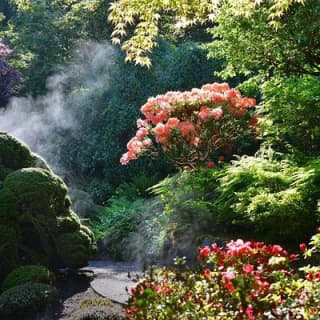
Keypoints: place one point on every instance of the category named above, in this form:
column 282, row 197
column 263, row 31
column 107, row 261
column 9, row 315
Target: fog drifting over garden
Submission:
column 41, row 121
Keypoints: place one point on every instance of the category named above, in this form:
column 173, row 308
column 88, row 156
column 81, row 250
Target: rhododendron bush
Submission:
column 244, row 280
column 194, row 127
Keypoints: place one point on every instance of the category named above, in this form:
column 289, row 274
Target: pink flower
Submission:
column 218, row 87
column 239, row 247
column 160, row 129
column 147, row 142
column 218, row 98
column 146, row 109
column 216, row 113
column 204, row 113
column 232, row 93
column 173, row 122
column 250, row 313
column 248, row 268
column 247, row 102
column 141, row 123
column 229, row 275
column 276, row 249
column 186, row 127
column 124, row 159
column 141, row 133
column 134, row 145
column 162, row 132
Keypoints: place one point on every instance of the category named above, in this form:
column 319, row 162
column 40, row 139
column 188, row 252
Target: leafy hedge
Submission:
column 23, row 274
column 26, row 299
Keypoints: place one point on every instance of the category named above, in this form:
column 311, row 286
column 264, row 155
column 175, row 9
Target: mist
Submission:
column 42, row 121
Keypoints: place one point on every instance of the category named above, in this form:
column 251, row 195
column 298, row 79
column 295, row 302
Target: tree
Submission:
column 251, row 45
column 146, row 15
column 45, row 32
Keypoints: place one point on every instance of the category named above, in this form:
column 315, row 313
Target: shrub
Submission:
column 193, row 126
column 25, row 299
column 243, row 280
column 273, row 200
column 261, row 197
column 96, row 314
column 24, row 274
column 35, row 214
column 9, row 249
column 292, row 114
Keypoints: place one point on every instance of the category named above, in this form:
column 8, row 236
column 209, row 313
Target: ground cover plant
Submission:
column 241, row 280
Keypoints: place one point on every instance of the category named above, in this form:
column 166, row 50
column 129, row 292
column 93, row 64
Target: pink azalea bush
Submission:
column 192, row 126
column 244, row 280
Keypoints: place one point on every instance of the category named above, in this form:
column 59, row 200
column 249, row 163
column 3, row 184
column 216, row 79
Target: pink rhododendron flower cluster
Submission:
column 191, row 126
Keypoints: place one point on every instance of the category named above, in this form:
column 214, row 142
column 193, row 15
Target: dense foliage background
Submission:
column 261, row 48
column 65, row 86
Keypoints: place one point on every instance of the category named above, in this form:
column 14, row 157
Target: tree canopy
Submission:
column 145, row 16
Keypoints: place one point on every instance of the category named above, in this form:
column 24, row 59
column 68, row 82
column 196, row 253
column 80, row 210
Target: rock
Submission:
column 35, row 214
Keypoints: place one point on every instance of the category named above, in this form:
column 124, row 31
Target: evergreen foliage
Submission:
column 24, row 274
column 35, row 216
column 26, row 299
column 291, row 108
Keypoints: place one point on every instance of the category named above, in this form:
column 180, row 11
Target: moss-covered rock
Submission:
column 24, row 274
column 69, row 223
column 73, row 247
column 26, row 299
column 35, row 204
column 13, row 153
column 9, row 251
column 37, row 190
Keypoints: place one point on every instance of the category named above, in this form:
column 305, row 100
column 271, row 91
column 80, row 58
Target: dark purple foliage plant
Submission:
column 10, row 78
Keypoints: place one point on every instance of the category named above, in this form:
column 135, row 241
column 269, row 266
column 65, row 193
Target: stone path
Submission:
column 111, row 279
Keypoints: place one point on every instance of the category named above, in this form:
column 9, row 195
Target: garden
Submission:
column 182, row 137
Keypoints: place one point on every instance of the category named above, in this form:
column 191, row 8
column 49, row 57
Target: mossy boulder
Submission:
column 72, row 247
column 14, row 154
column 34, row 203
column 26, row 299
column 9, row 249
